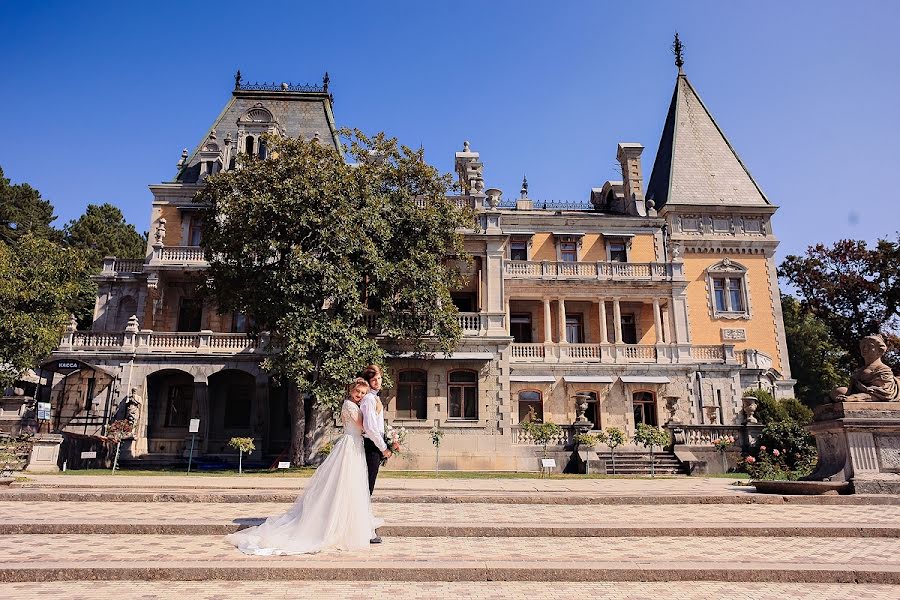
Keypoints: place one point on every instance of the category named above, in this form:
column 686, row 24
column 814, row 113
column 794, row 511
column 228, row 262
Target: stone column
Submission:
column 562, row 321
column 617, row 320
column 261, row 427
column 666, row 323
column 548, row 332
column 604, row 334
column 507, row 318
column 200, row 410
column 657, row 322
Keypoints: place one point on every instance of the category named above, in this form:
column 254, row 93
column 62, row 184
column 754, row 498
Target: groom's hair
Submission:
column 370, row 372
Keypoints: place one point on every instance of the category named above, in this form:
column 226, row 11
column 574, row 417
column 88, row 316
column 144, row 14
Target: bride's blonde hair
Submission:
column 359, row 382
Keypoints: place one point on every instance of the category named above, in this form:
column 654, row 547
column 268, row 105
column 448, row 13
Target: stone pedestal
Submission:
column 859, row 443
column 45, row 452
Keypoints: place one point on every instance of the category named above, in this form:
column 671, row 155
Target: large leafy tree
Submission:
column 102, row 231
column 312, row 245
column 815, row 358
column 853, row 289
column 40, row 283
column 23, row 211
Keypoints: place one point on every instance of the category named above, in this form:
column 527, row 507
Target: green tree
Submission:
column 102, row 231
column 650, row 437
column 23, row 211
column 40, row 284
column 816, row 360
column 853, row 289
column 306, row 242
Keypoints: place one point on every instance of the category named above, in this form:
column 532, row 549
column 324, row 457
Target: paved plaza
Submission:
column 76, row 536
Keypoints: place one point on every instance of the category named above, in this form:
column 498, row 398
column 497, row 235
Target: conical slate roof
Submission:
column 695, row 164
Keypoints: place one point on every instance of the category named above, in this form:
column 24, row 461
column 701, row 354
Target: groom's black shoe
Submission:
column 375, row 540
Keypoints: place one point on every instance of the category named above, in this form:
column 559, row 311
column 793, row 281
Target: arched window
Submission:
column 262, row 148
column 644, row 408
column 528, row 400
column 412, row 395
column 248, row 144
column 462, row 394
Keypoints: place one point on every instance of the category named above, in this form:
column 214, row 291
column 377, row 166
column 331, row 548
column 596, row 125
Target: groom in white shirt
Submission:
column 373, row 429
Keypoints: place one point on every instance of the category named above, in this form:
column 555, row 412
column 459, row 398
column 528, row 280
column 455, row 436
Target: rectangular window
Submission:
column 189, row 314
column 194, row 231
column 617, row 251
column 518, row 250
column 178, row 407
column 574, row 329
column 464, row 302
column 411, row 395
column 520, row 328
column 463, row 395
column 241, row 323
column 568, row 252
column 728, row 294
column 629, row 330
column 89, row 394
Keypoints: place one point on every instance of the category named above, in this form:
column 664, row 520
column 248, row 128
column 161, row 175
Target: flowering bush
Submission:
column 792, row 456
column 724, row 443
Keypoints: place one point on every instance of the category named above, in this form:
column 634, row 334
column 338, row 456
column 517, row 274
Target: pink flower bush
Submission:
column 762, row 448
column 776, row 452
column 750, row 460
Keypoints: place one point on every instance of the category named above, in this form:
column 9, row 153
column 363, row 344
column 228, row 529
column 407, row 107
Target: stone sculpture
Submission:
column 750, row 406
column 875, row 382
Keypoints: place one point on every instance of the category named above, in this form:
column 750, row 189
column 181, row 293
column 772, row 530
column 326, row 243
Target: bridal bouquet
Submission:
column 395, row 439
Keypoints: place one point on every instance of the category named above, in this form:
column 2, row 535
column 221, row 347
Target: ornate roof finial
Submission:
column 465, row 145
column 524, row 190
column 237, row 80
column 325, row 81
column 678, row 51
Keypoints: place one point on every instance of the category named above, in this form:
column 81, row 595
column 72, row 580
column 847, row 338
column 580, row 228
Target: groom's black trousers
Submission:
column 373, row 461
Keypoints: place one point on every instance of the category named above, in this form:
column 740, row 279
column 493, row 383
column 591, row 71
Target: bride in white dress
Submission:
column 335, row 510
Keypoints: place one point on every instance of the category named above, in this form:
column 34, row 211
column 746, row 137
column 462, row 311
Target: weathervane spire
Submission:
column 678, row 51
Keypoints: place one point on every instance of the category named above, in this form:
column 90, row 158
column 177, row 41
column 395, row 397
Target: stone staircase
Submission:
column 638, row 463
column 683, row 538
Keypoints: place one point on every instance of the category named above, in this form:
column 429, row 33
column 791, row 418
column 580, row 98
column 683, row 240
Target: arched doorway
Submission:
column 170, row 407
column 644, row 406
column 232, row 407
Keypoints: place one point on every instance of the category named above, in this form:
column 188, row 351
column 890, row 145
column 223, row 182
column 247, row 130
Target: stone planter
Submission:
column 45, row 452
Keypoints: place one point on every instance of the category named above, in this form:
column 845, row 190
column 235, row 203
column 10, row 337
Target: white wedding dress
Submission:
column 335, row 510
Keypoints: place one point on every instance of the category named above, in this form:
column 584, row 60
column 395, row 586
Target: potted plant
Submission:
column 586, row 441
column 651, row 437
column 241, row 444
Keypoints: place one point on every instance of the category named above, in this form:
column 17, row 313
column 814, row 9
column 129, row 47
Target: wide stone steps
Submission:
column 639, row 463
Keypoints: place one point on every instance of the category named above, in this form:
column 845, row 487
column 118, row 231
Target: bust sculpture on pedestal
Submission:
column 875, row 382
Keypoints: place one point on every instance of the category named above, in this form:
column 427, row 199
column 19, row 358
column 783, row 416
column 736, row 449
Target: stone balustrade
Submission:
column 625, row 353
column 471, row 323
column 520, row 437
column 527, row 269
column 113, row 265
column 708, row 435
column 179, row 254
column 151, row 342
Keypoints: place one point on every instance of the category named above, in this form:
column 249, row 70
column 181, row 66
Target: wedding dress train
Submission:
column 334, row 510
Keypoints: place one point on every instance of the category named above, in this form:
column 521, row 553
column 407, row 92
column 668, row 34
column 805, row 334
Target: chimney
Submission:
column 629, row 157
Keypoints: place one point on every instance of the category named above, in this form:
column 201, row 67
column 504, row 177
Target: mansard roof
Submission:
column 695, row 163
column 296, row 110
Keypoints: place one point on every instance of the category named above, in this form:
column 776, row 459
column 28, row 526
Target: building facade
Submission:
column 652, row 302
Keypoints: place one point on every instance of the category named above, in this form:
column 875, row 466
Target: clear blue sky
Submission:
column 100, row 98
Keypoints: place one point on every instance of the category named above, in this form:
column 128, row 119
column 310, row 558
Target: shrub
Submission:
column 797, row 411
column 586, row 440
column 784, row 451
column 768, row 409
column 542, row 433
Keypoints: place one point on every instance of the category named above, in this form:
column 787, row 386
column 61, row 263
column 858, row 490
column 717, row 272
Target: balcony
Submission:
column 187, row 256
column 635, row 354
column 121, row 266
column 473, row 324
column 600, row 271
column 150, row 342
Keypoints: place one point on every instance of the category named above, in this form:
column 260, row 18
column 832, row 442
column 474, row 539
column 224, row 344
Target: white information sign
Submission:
column 88, row 455
column 194, row 426
column 284, row 465
column 43, row 410
column 548, row 463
